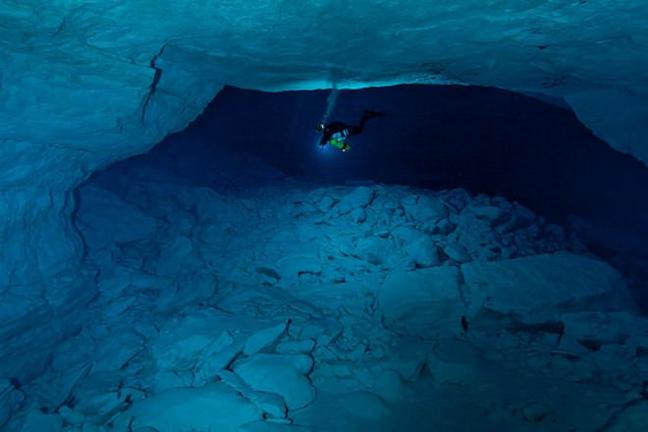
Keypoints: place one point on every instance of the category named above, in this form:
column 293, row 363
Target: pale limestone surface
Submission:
column 265, row 340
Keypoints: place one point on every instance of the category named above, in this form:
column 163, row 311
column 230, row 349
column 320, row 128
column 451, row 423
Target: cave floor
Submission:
column 292, row 307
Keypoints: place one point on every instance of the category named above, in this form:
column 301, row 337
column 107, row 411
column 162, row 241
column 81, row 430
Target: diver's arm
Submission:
column 326, row 135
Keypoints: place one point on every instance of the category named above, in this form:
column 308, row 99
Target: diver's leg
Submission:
column 356, row 130
column 368, row 114
column 372, row 113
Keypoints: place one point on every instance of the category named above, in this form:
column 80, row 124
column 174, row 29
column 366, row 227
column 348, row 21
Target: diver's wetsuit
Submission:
column 345, row 130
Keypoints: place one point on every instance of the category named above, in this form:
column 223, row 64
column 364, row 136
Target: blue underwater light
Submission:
column 321, row 148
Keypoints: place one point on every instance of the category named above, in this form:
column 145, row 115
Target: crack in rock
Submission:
column 615, row 416
column 156, row 79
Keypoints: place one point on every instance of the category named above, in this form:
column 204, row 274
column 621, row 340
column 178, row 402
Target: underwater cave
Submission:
column 250, row 227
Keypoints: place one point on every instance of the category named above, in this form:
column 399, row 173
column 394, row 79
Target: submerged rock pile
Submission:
column 288, row 308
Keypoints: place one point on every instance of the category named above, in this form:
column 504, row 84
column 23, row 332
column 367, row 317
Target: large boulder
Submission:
column 358, row 198
column 423, row 301
column 424, row 208
column 537, row 284
column 195, row 346
column 106, row 219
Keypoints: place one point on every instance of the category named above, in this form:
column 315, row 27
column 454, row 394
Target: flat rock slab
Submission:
column 359, row 197
column 37, row 422
column 264, row 338
column 284, row 375
column 101, row 208
column 291, row 267
column 182, row 341
column 424, row 208
column 540, row 282
column 423, row 300
column 214, row 407
column 364, row 404
column 634, row 418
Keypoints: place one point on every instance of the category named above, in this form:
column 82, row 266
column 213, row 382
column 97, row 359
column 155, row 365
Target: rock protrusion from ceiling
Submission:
column 618, row 116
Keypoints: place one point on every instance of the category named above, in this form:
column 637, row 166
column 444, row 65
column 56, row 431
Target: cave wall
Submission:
column 65, row 114
column 85, row 83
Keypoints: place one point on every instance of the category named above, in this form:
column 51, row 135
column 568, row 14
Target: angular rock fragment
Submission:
column 364, row 404
column 424, row 252
column 536, row 412
column 264, row 338
column 456, row 252
column 388, row 384
column 375, row 250
column 539, row 284
column 271, row 404
column 633, row 418
column 292, row 266
column 10, row 400
column 358, row 215
column 71, row 416
column 285, row 375
column 101, row 208
column 302, row 346
column 359, row 197
column 423, row 301
column 100, row 404
column 456, row 198
column 489, row 213
column 325, row 203
column 213, row 407
column 193, row 348
column 36, row 421
column 424, row 208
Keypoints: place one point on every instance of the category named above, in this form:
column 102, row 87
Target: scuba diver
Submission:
column 336, row 133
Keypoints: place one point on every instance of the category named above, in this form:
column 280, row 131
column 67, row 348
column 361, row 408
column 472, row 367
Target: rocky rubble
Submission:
column 391, row 307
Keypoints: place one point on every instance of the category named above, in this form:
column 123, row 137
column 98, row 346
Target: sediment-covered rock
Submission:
column 286, row 304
